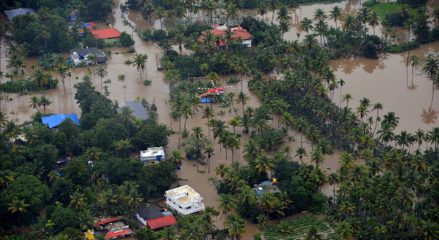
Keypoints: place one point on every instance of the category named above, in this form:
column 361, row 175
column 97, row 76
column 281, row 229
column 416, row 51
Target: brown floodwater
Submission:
column 383, row 80
column 389, row 81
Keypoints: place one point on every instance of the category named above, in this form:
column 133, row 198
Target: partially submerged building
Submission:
column 220, row 32
column 53, row 121
column 11, row 14
column 266, row 186
column 184, row 200
column 154, row 218
column 113, row 228
column 110, row 36
column 152, row 155
column 87, row 56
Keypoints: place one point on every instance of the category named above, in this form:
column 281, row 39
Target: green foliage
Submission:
column 402, row 47
column 29, row 85
column 126, row 40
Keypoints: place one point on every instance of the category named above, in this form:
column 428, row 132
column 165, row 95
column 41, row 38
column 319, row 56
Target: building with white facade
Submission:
column 152, row 155
column 184, row 200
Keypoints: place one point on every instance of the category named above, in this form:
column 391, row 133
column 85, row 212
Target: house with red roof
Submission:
column 155, row 218
column 238, row 33
column 107, row 33
column 113, row 228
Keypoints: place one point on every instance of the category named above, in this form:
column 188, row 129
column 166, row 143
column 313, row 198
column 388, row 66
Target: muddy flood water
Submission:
column 386, row 80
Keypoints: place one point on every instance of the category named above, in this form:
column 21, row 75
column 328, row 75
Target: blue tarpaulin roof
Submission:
column 205, row 100
column 17, row 12
column 55, row 120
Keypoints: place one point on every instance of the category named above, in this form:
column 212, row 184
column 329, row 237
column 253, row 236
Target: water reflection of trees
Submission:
column 348, row 65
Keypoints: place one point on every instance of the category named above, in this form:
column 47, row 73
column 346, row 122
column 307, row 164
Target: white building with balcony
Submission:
column 152, row 155
column 184, row 200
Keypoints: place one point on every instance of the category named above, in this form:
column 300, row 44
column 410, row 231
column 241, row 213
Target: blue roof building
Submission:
column 55, row 120
column 11, row 14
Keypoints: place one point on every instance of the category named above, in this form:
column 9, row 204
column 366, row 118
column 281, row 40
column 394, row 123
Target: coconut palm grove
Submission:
column 106, row 106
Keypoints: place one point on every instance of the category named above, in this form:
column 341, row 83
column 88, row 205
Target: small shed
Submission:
column 11, row 14
column 53, row 121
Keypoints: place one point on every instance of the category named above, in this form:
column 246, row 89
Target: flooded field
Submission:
column 386, row 80
column 389, row 81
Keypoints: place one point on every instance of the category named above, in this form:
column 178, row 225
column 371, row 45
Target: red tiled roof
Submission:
column 105, row 33
column 107, row 221
column 119, row 233
column 161, row 222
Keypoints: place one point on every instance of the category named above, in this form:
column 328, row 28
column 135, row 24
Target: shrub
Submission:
column 402, row 47
column 126, row 40
column 147, row 82
column 28, row 85
column 158, row 35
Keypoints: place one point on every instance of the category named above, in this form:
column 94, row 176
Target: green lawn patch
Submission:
column 386, row 9
column 298, row 227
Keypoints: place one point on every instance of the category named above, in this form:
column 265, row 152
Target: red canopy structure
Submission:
column 107, row 221
column 161, row 222
column 107, row 33
column 119, row 233
column 213, row 91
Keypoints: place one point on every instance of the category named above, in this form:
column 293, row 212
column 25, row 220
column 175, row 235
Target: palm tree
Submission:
column 176, row 157
column 333, row 179
column 431, row 66
column 414, row 62
column 227, row 203
column 17, row 206
column 234, row 122
column 263, row 163
column 273, row 5
column 43, row 101
column 242, row 98
column 209, row 153
column 34, row 103
column 102, row 73
column 319, row 15
column 139, row 61
column 235, row 225
column 221, row 170
column 123, row 145
column 306, row 25
column 186, row 111
column 335, row 14
column 301, row 152
column 419, row 137
column 208, row 114
column 6, row 177
column 313, row 234
column 346, row 98
column 317, row 156
column 433, row 137
column 344, row 231
column 77, row 200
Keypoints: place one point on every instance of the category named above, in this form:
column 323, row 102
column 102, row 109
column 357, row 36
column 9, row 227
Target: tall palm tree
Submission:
column 263, row 163
column 344, row 231
column 186, row 111
column 335, row 14
column 235, row 225
column 101, row 71
column 301, row 152
column 319, row 15
column 313, row 234
column 242, row 98
column 431, row 66
column 317, row 156
column 43, row 101
column 139, row 61
column 234, row 122
column 17, row 206
column 273, row 6
column 346, row 98
column 433, row 137
column 221, row 170
column 306, row 25
column 227, row 203
column 34, row 103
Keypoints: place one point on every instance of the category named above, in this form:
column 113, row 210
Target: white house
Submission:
column 184, row 200
column 152, row 154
